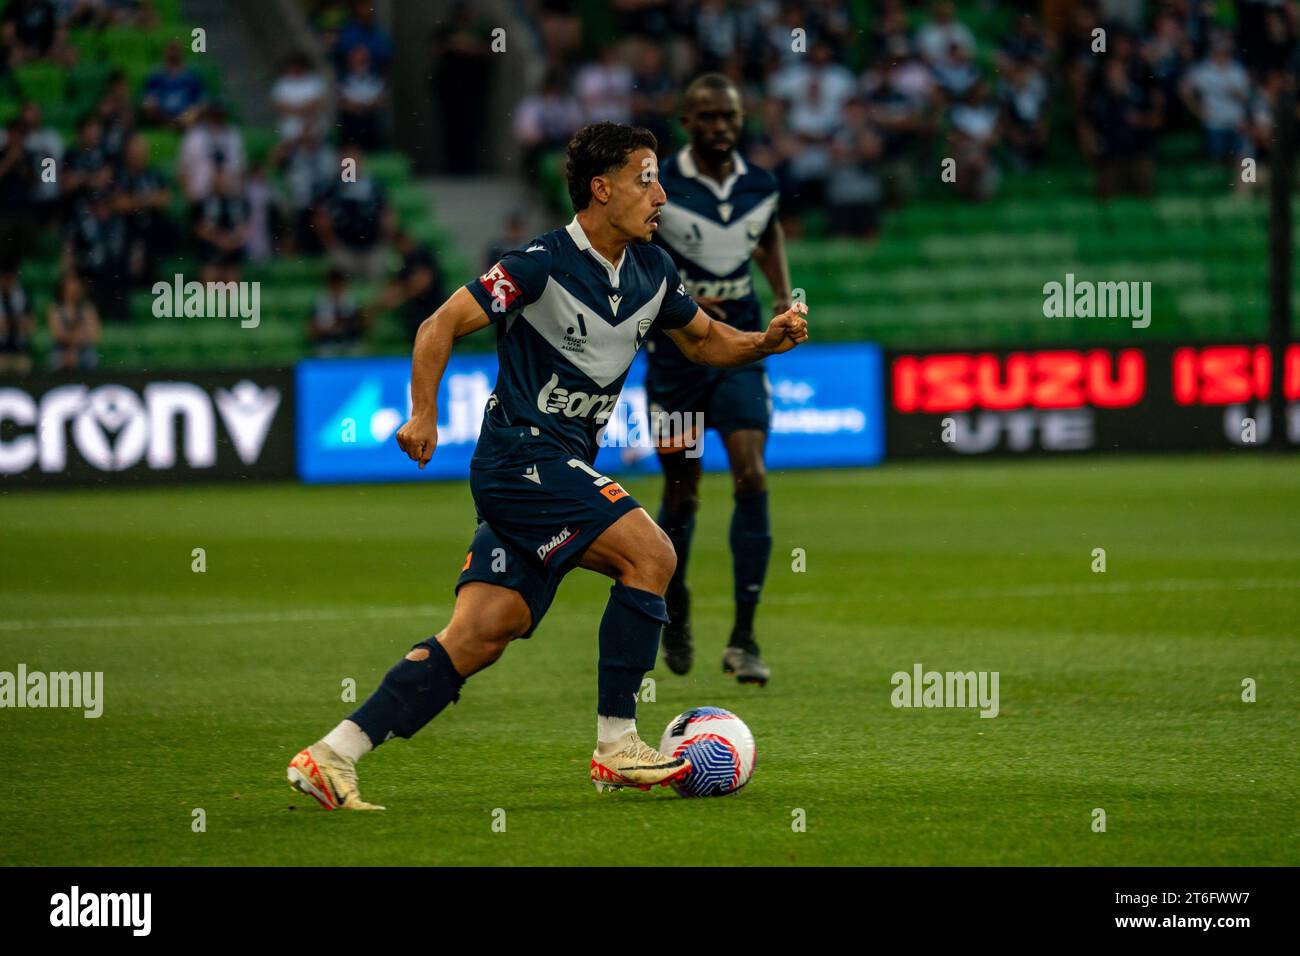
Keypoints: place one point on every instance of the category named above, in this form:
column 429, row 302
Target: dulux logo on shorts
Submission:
column 545, row 549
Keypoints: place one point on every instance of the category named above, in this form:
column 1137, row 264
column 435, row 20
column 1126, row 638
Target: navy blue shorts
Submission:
column 730, row 398
column 535, row 521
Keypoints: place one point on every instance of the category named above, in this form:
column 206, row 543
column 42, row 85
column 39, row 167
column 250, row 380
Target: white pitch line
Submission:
column 303, row 616
column 204, row 620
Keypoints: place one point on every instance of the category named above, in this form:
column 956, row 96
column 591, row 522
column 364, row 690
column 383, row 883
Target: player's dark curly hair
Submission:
column 597, row 149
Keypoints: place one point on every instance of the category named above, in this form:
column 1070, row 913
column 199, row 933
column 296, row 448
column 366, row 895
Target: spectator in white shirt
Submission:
column 1216, row 91
column 545, row 121
column 298, row 97
column 936, row 37
column 974, row 131
column 361, row 95
column 210, row 146
column 814, row 93
column 604, row 89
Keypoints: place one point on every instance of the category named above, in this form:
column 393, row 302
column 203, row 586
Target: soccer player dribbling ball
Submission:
column 571, row 309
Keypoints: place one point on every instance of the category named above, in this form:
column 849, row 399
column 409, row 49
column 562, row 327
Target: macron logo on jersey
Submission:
column 500, row 286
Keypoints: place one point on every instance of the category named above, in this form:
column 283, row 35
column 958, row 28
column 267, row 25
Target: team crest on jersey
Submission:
column 503, row 289
column 724, row 210
column 642, row 328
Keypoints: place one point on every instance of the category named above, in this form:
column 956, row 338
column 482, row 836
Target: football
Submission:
column 719, row 747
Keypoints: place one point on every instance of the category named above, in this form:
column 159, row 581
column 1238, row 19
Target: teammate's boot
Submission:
column 679, row 650
column 745, row 663
column 323, row 773
column 631, row 762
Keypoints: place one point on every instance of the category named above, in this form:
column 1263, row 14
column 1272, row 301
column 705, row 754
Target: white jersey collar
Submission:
column 579, row 237
column 686, row 163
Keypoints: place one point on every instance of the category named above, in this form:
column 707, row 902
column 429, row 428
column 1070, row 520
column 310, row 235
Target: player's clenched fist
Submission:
column 787, row 330
column 418, row 438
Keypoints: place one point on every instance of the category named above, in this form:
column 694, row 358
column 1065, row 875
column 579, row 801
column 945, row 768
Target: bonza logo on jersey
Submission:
column 503, row 289
column 554, row 399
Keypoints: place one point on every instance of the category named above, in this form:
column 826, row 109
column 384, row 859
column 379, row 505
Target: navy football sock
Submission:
column 411, row 694
column 751, row 547
column 629, row 644
column 679, row 525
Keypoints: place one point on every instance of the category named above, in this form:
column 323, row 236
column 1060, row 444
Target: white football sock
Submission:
column 349, row 741
column 610, row 730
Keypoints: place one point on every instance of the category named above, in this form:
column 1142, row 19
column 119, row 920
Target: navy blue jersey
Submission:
column 568, row 326
column 711, row 229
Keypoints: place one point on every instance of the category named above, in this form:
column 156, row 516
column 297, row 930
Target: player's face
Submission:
column 636, row 196
column 713, row 119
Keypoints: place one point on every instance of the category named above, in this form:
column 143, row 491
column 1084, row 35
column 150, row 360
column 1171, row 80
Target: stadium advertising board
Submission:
column 101, row 427
column 826, row 411
column 1158, row 397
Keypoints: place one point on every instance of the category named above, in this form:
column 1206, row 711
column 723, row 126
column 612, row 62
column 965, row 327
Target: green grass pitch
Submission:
column 1119, row 690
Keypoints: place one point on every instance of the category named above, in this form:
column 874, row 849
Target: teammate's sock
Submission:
column 349, row 740
column 751, row 547
column 629, row 643
column 610, row 730
column 745, row 617
column 411, row 694
column 679, row 525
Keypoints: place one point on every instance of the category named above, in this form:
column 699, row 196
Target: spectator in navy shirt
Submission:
column 353, row 220
column 17, row 323
column 417, row 285
column 97, row 248
column 173, row 93
column 362, row 30
column 336, row 322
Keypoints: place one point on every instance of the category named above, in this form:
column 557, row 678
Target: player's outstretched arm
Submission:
column 709, row 342
column 459, row 315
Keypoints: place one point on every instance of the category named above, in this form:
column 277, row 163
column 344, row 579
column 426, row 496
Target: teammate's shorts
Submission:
column 730, row 399
column 535, row 521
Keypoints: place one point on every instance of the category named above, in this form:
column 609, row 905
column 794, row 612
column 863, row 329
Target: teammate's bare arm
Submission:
column 770, row 256
column 459, row 315
column 718, row 344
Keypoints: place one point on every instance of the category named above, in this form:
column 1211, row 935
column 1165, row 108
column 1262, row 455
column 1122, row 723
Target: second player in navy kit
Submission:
column 721, row 212
column 571, row 310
